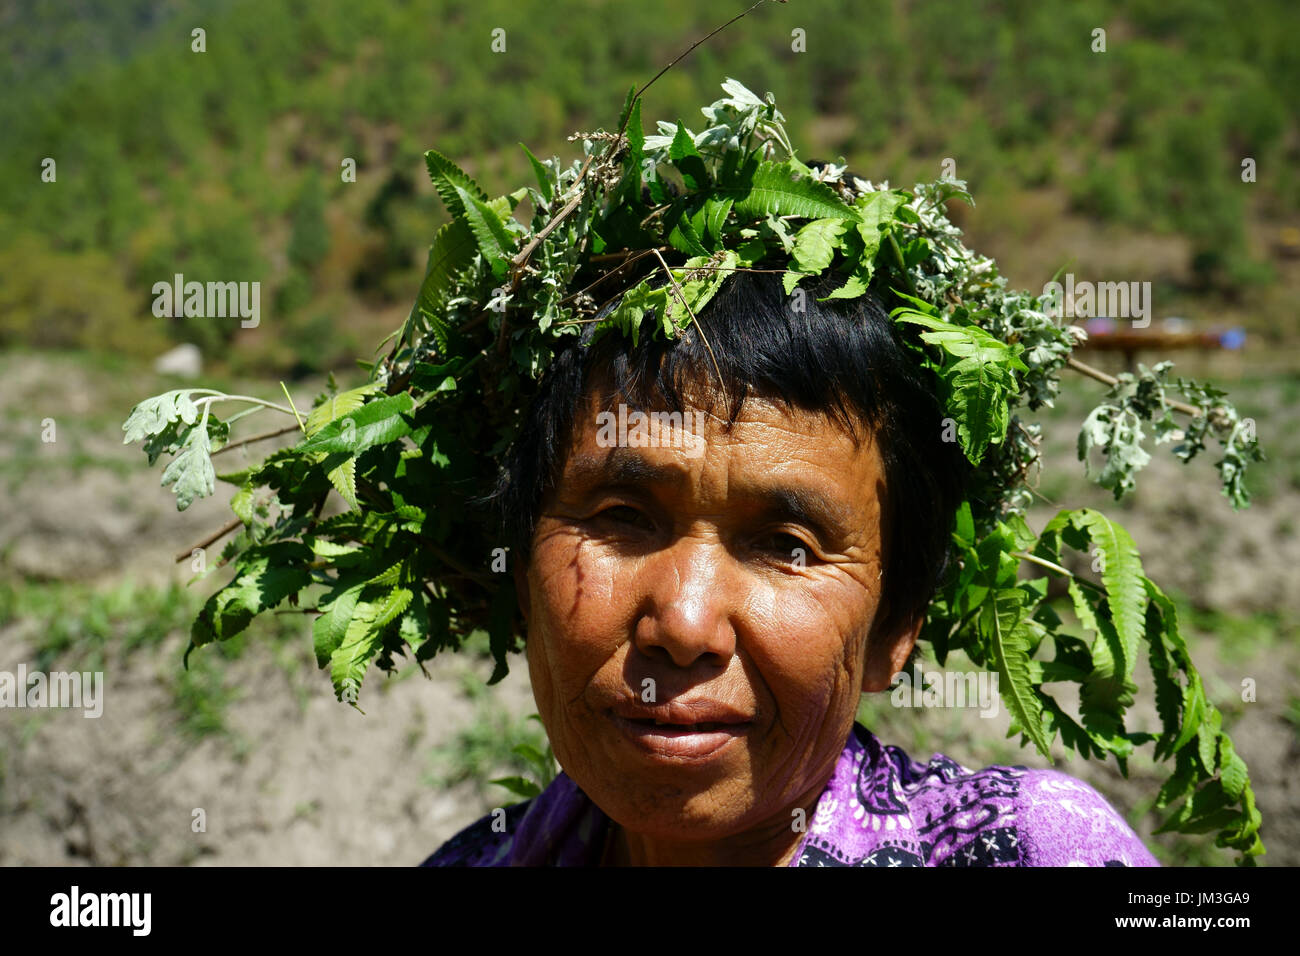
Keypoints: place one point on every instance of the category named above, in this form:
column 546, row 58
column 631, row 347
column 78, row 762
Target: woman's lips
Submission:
column 680, row 740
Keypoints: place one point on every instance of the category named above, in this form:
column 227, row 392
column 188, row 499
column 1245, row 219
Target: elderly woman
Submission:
column 704, row 609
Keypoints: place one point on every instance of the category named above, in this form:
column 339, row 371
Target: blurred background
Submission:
column 1164, row 149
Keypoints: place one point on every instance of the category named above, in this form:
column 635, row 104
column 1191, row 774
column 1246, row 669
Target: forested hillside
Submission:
column 225, row 164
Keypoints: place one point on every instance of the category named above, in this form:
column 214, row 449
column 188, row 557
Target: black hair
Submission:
column 843, row 358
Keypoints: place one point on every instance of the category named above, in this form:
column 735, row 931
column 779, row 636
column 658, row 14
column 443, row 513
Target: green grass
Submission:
column 486, row 748
column 77, row 626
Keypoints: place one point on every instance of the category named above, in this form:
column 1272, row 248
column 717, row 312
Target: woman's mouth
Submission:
column 690, row 741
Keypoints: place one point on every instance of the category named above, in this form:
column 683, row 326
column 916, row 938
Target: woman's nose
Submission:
column 689, row 614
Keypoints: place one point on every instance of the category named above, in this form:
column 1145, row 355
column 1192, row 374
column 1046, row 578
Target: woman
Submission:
column 700, row 624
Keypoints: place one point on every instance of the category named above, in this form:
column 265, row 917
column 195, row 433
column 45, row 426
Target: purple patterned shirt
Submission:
column 880, row 808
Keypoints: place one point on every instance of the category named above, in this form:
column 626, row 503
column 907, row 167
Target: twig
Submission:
column 294, row 407
column 611, row 256
column 694, row 45
column 517, row 264
column 1043, row 562
column 1105, row 379
column 255, row 438
column 686, row 305
column 209, row 540
column 902, row 264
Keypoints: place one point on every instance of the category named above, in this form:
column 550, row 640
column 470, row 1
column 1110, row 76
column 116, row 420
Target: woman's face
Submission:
column 698, row 624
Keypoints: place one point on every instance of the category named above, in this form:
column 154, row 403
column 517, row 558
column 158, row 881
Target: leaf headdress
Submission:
column 402, row 570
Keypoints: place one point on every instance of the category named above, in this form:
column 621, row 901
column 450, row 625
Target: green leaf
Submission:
column 494, row 242
column 697, row 292
column 191, row 470
column 452, row 251
column 715, row 218
column 683, row 235
column 544, row 184
column 688, row 160
column 265, row 575
column 344, row 479
column 520, row 786
column 376, row 423
column 336, row 405
column 242, row 504
column 153, row 415
column 451, row 182
column 877, row 212
column 1207, row 741
column 350, row 659
column 976, row 374
column 814, row 248
column 1002, row 621
column 1233, row 775
column 1167, row 692
column 331, row 625
column 1123, row 577
column 774, row 190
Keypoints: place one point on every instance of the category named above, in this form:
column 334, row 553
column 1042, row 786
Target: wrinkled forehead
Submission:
column 793, row 454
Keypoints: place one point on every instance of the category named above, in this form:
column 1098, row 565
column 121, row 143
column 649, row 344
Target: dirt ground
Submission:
column 300, row 779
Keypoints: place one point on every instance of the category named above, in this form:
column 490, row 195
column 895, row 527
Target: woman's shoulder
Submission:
column 1067, row 822
column 1001, row 815
column 485, row 842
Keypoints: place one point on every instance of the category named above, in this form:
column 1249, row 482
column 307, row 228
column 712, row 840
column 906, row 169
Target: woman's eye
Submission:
column 624, row 514
column 788, row 545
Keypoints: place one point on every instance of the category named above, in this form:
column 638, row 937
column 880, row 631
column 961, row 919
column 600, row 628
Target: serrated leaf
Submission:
column 688, row 160
column 1207, row 741
column 976, row 373
column 350, row 659
column 774, row 190
column 814, row 248
column 242, row 504
column 1002, row 623
column 337, row 405
column 344, row 480
column 264, row 576
column 876, row 210
column 451, row 181
column 1122, row 575
column 331, row 625
column 697, row 292
column 715, row 218
column 375, row 423
column 494, row 242
column 394, row 603
column 452, row 251
column 1233, row 774
column 683, row 237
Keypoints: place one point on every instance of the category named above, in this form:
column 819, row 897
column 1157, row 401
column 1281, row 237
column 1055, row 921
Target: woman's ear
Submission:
column 887, row 654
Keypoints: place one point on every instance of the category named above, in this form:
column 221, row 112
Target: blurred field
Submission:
column 225, row 165
column 252, row 734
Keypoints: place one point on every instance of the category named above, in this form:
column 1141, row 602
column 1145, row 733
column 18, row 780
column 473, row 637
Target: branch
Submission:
column 1102, row 377
column 1044, row 563
column 255, row 438
column 212, row 538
